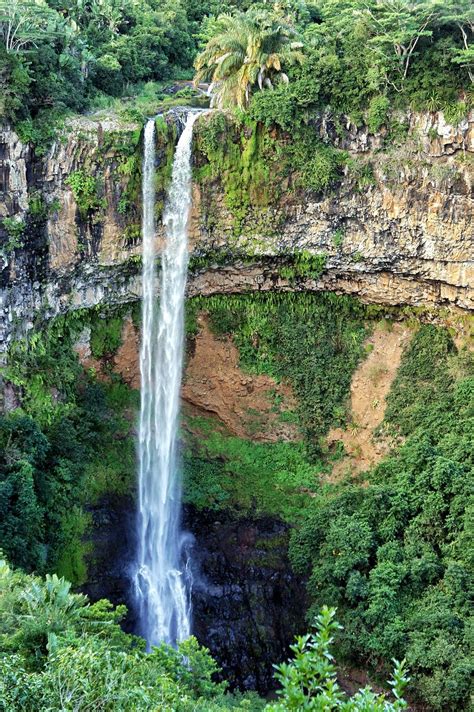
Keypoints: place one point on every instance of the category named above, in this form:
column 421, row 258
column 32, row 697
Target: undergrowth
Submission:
column 86, row 191
column 224, row 471
column 106, row 335
column 69, row 443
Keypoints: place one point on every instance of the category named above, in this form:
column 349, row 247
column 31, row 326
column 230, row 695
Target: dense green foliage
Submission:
column 375, row 54
column 69, row 443
column 224, row 471
column 66, row 53
column 59, row 652
column 394, row 555
column 248, row 49
column 106, row 335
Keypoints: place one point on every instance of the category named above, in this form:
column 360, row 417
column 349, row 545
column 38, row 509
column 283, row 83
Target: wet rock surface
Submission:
column 111, row 540
column 247, row 603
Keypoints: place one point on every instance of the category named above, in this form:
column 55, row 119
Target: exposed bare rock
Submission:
column 406, row 237
column 14, row 157
column 126, row 359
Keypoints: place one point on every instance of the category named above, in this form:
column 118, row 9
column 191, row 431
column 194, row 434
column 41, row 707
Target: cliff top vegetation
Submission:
column 279, row 61
column 345, row 54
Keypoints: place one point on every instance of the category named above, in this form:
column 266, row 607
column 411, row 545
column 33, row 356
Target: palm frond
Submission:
column 248, row 52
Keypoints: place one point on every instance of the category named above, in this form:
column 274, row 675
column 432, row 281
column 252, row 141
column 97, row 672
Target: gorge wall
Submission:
column 396, row 229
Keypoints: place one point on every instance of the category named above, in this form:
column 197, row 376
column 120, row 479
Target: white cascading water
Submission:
column 162, row 584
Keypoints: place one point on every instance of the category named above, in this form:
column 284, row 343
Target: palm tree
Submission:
column 248, row 51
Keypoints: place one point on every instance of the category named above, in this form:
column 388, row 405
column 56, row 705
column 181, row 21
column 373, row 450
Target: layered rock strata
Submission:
column 407, row 238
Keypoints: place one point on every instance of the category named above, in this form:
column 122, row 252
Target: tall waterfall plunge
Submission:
column 162, row 580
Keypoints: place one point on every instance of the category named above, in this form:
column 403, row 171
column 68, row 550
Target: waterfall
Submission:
column 161, row 581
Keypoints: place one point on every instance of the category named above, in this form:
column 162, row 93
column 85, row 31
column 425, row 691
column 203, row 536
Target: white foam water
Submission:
column 162, row 577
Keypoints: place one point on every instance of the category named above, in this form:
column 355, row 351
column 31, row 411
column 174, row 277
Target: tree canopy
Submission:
column 67, row 55
column 348, row 52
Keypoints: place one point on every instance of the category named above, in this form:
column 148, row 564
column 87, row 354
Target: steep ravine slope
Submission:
column 250, row 486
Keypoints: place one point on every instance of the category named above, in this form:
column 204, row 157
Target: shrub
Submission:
column 309, row 679
column 106, row 335
column 85, row 190
column 377, row 113
column 15, row 230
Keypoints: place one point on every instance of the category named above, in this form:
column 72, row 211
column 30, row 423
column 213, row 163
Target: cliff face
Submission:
column 404, row 236
column 396, row 230
column 69, row 236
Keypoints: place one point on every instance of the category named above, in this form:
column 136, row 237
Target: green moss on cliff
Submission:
column 254, row 164
column 127, row 153
column 122, row 152
column 166, row 135
column 302, row 265
column 240, row 160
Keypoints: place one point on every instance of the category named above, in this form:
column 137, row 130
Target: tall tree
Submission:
column 24, row 23
column 397, row 26
column 461, row 15
column 248, row 52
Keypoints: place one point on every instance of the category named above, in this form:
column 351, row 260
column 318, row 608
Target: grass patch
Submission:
column 252, row 479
